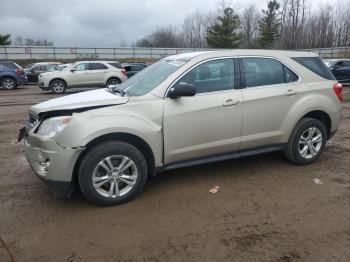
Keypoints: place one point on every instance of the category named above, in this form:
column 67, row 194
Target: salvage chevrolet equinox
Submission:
column 184, row 110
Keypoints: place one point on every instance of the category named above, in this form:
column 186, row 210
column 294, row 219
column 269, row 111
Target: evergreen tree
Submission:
column 223, row 33
column 5, row 39
column 269, row 24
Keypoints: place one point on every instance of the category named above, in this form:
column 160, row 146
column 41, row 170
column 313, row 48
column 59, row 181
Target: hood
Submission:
column 95, row 98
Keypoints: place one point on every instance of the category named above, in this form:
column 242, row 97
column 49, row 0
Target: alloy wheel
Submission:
column 114, row 176
column 8, row 84
column 310, row 142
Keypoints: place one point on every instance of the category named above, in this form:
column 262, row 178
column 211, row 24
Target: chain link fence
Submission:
column 78, row 53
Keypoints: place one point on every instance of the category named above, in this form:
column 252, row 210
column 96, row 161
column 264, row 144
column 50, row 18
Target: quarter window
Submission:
column 211, row 76
column 116, row 65
column 266, row 71
column 315, row 65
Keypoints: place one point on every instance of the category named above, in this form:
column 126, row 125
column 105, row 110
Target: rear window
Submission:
column 315, row 65
column 11, row 65
column 116, row 65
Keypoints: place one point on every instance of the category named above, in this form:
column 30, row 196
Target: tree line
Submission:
column 20, row 41
column 283, row 24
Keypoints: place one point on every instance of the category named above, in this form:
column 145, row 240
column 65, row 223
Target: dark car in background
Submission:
column 340, row 69
column 36, row 69
column 11, row 75
column 133, row 68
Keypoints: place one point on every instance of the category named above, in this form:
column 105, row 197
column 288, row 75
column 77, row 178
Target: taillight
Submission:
column 18, row 71
column 338, row 89
column 124, row 72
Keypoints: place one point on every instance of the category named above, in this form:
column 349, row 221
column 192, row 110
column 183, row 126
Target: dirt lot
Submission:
column 266, row 209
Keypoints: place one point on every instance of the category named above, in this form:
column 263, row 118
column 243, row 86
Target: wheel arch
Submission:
column 58, row 78
column 9, row 76
column 134, row 140
column 321, row 116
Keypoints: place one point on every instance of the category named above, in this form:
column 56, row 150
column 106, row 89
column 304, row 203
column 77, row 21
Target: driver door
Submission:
column 79, row 74
column 208, row 123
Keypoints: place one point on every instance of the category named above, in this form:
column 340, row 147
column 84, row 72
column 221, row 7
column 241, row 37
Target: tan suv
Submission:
column 184, row 110
column 83, row 74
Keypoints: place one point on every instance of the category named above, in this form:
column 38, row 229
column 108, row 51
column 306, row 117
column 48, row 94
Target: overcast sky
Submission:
column 99, row 23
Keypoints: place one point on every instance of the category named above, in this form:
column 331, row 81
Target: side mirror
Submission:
column 73, row 70
column 182, row 89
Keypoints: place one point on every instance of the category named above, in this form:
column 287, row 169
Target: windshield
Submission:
column 68, row 67
column 328, row 63
column 150, row 77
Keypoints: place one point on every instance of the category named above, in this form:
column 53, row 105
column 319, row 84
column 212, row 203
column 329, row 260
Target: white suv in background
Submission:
column 83, row 74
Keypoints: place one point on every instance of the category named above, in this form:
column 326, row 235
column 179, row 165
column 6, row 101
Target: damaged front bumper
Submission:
column 52, row 163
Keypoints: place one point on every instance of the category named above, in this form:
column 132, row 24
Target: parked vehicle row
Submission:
column 34, row 70
column 83, row 74
column 183, row 110
column 57, row 77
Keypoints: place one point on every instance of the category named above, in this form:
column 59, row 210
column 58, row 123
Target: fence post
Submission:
column 54, row 53
column 5, row 50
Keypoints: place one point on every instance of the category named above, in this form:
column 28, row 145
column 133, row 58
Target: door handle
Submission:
column 291, row 92
column 230, row 102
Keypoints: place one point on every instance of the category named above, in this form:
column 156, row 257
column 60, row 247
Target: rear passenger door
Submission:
column 96, row 73
column 270, row 91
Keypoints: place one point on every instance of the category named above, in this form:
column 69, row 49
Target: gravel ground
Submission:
column 266, row 209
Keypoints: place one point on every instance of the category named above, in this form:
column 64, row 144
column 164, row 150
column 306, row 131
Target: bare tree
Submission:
column 250, row 26
column 195, row 27
column 38, row 42
column 18, row 41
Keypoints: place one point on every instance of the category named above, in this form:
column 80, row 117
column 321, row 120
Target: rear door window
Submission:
column 266, row 71
column 136, row 68
column 346, row 63
column 97, row 66
column 315, row 65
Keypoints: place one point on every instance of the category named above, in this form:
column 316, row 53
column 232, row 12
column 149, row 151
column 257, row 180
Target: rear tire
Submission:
column 58, row 86
column 307, row 142
column 112, row 173
column 8, row 83
column 113, row 81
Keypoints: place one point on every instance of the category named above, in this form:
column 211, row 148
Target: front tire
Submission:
column 112, row 173
column 8, row 83
column 58, row 86
column 307, row 142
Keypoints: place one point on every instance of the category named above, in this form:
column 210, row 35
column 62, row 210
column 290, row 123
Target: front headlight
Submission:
column 51, row 126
